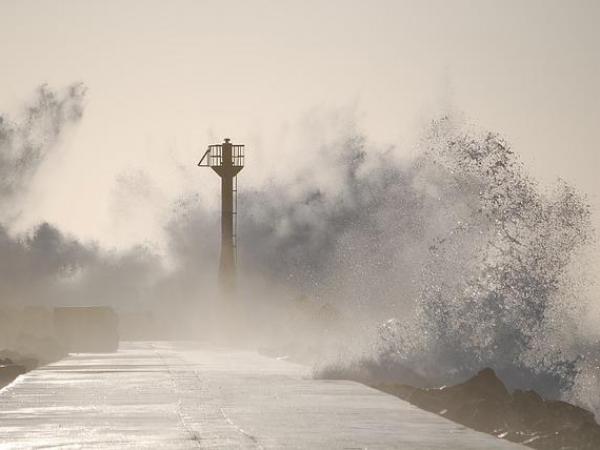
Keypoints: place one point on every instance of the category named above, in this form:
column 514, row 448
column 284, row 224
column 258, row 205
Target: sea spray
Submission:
column 460, row 246
column 440, row 264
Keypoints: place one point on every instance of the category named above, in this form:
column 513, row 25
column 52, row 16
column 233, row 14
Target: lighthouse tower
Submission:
column 227, row 160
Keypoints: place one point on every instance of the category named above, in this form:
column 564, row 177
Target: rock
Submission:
column 587, row 436
column 28, row 362
column 558, row 424
column 429, row 399
column 9, row 372
column 478, row 402
column 528, row 410
column 484, row 404
column 567, row 415
column 485, row 386
column 402, row 391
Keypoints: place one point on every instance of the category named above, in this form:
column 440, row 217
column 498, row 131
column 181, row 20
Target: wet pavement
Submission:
column 166, row 395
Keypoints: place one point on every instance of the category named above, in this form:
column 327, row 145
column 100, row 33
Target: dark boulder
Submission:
column 484, row 404
column 29, row 362
column 485, row 385
column 567, row 415
column 9, row 372
column 478, row 402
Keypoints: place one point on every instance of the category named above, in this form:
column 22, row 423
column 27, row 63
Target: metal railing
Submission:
column 213, row 157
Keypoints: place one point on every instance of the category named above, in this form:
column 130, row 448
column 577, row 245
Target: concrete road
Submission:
column 158, row 395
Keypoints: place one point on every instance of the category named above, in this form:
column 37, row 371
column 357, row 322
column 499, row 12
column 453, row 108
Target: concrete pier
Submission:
column 183, row 396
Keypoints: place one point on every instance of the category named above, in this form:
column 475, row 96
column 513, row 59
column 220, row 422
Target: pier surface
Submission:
column 165, row 395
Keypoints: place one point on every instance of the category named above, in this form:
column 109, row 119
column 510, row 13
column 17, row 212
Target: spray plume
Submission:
column 443, row 263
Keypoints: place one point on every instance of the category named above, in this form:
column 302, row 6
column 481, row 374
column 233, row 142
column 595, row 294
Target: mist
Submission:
column 443, row 262
column 25, row 142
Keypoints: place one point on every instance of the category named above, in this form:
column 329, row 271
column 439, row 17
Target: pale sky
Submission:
column 167, row 78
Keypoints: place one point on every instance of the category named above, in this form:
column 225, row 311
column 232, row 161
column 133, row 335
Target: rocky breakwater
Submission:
column 485, row 404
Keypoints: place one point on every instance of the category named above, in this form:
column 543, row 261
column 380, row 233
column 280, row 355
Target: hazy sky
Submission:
column 167, row 78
